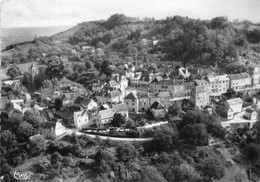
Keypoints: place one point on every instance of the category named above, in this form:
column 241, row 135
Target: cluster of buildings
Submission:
column 131, row 91
column 138, row 92
column 214, row 86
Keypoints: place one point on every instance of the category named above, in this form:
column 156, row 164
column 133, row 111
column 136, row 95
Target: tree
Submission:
column 235, row 68
column 257, row 129
column 56, row 159
column 104, row 68
column 211, row 169
column 187, row 105
column 37, row 145
column 34, row 118
column 115, row 21
column 40, row 77
column 219, row 22
column 8, row 140
column 97, row 65
column 13, row 71
column 24, row 59
column 216, row 130
column 194, row 117
column 14, row 120
column 195, row 134
column 118, row 120
column 150, row 174
column 6, row 60
column 131, row 50
column 126, row 153
column 185, row 172
column 88, row 65
column 231, row 93
column 253, row 36
column 174, row 110
column 164, row 139
column 4, row 63
column 57, row 67
column 24, row 131
column 58, row 103
column 103, row 161
column 252, row 153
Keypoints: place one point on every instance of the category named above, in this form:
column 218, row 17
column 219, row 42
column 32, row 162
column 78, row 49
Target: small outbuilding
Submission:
column 250, row 114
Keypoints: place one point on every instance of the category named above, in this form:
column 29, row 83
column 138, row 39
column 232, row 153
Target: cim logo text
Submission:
column 22, row 175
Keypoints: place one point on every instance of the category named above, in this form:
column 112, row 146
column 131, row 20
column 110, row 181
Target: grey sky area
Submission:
column 38, row 13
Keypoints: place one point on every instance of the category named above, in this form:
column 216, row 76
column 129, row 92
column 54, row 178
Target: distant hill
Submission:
column 16, row 35
column 66, row 33
column 182, row 39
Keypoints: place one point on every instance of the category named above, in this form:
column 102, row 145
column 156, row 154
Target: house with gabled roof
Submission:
column 114, row 84
column 132, row 102
column 250, row 114
column 164, row 98
column 157, row 109
column 56, row 128
column 85, row 103
column 145, row 79
column 122, row 109
column 226, row 112
column 235, row 104
column 105, row 116
column 200, row 96
column 81, row 119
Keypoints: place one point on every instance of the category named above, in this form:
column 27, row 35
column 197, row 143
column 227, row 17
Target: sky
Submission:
column 39, row 13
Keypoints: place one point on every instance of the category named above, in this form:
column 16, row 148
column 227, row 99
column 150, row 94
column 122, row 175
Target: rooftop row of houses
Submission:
column 116, row 90
column 217, row 85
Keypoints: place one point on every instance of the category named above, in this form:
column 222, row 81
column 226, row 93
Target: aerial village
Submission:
column 125, row 99
column 132, row 95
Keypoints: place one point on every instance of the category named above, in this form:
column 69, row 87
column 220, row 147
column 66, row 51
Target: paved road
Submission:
column 152, row 125
column 70, row 131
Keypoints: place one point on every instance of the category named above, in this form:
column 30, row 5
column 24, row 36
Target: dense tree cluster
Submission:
column 13, row 71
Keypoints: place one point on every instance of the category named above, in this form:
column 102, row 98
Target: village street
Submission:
column 71, row 131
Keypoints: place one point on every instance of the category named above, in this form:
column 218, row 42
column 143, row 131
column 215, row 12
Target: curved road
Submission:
column 70, row 131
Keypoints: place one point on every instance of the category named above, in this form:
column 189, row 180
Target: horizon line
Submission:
column 35, row 26
column 39, row 26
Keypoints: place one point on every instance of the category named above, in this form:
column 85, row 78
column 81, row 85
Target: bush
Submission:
column 126, row 153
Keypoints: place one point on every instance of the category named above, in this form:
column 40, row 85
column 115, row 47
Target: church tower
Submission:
column 33, row 71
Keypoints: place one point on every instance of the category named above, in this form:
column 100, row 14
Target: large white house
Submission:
column 235, row 104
